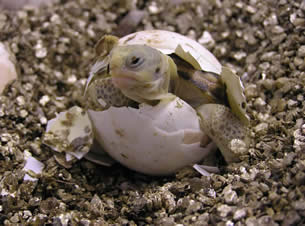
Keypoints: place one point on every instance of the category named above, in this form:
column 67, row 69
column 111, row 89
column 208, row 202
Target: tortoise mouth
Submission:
column 122, row 79
column 123, row 82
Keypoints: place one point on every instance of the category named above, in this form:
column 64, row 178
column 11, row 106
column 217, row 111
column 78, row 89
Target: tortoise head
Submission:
column 142, row 73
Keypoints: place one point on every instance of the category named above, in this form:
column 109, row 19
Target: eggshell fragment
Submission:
column 70, row 132
column 235, row 93
column 32, row 164
column 155, row 140
column 7, row 67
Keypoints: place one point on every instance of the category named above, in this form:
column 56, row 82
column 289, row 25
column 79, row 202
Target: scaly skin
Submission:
column 104, row 94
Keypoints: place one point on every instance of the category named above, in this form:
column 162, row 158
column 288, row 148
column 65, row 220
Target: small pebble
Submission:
column 44, row 100
column 239, row 214
column 261, row 128
column 301, row 51
column 224, row 210
column 230, row 196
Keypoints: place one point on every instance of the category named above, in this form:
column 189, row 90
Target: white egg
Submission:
column 70, row 132
column 155, row 140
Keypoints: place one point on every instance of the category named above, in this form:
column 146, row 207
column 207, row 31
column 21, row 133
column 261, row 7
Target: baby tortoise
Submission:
column 151, row 72
column 141, row 68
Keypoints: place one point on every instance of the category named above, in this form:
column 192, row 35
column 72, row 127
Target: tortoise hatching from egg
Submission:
column 155, row 68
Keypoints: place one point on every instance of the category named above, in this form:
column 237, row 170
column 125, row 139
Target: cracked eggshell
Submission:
column 71, row 132
column 8, row 71
column 155, row 140
column 170, row 42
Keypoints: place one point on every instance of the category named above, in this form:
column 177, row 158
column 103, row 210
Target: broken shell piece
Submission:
column 236, row 96
column 206, row 170
column 70, row 132
column 7, row 67
column 155, row 140
column 32, row 167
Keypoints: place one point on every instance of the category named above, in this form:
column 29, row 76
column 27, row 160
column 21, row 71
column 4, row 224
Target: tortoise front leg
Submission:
column 101, row 94
column 227, row 131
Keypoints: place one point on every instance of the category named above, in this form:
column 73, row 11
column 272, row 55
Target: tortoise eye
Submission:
column 135, row 61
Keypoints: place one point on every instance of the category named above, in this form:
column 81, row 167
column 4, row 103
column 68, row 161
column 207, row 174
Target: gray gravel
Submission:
column 263, row 41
